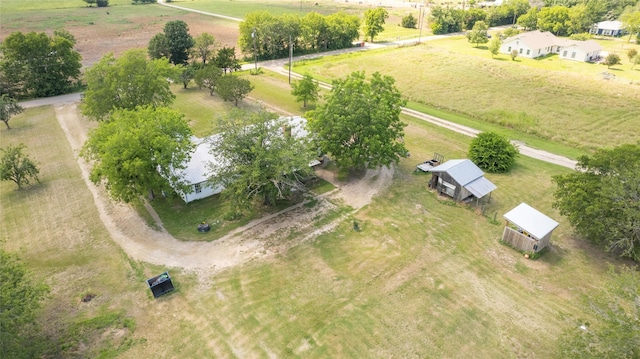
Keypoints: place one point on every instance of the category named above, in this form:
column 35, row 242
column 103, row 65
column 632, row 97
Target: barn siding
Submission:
column 521, row 242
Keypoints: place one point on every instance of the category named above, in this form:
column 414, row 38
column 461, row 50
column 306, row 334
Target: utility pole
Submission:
column 420, row 21
column 255, row 53
column 290, row 57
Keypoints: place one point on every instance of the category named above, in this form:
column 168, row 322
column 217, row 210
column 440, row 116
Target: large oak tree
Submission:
column 35, row 64
column 359, row 125
column 264, row 157
column 139, row 151
column 126, row 83
column 602, row 199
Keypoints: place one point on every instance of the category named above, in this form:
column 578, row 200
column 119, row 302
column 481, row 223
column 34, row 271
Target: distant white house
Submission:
column 607, row 28
column 584, row 51
column 204, row 159
column 536, row 43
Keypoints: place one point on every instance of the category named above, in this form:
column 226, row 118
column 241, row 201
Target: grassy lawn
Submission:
column 239, row 8
column 424, row 277
column 567, row 108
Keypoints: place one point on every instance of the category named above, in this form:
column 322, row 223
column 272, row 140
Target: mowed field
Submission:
column 424, row 278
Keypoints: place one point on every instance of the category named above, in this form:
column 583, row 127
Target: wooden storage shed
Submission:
column 527, row 229
column 461, row 180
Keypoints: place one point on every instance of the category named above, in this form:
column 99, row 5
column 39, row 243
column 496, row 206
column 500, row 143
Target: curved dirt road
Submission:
column 257, row 239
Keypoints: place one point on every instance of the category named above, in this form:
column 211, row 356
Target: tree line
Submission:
column 561, row 17
column 268, row 36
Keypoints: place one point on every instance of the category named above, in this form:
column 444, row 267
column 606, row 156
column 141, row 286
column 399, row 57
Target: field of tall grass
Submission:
column 584, row 112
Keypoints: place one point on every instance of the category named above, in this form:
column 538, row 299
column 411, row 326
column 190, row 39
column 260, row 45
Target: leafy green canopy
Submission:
column 305, row 90
column 616, row 332
column 19, row 302
column 479, row 33
column 126, row 83
column 602, row 199
column 233, row 88
column 8, row 108
column 374, row 20
column 17, row 167
column 179, row 41
column 359, row 125
column 38, row 65
column 492, row 152
column 263, row 158
column 139, row 151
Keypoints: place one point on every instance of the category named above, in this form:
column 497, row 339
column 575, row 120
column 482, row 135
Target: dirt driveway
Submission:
column 258, row 239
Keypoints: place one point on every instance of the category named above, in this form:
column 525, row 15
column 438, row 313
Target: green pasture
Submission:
column 584, row 112
column 116, row 18
column 9, row 6
column 424, row 277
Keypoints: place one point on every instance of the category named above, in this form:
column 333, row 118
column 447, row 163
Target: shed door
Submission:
column 449, row 188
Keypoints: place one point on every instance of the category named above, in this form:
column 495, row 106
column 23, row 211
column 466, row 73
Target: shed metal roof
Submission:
column 462, row 171
column 531, row 220
column 480, row 187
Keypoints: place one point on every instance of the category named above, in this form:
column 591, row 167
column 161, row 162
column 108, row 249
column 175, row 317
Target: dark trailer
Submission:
column 160, row 284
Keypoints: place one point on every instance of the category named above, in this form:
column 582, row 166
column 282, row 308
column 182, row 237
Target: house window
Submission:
column 509, row 49
column 538, row 51
column 564, row 53
column 528, row 51
column 197, row 187
column 520, row 50
column 573, row 55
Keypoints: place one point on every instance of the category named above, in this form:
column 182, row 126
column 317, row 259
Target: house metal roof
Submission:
column 531, row 220
column 587, row 46
column 537, row 40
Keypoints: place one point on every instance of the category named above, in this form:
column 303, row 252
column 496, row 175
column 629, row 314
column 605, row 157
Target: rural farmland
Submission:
column 368, row 264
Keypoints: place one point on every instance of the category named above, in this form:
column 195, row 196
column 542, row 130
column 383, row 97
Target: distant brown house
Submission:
column 461, row 180
column 527, row 229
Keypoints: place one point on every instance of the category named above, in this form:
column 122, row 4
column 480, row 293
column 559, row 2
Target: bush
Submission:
column 409, row 22
column 512, row 31
column 581, row 37
column 492, row 152
column 102, row 3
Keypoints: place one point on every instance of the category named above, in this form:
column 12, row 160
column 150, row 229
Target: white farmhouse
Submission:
column 204, row 159
column 536, row 43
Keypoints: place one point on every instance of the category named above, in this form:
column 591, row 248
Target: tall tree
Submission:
column 616, row 330
column 305, row 90
column 374, row 20
column 261, row 160
column 179, row 40
column 529, row 20
column 517, row 8
column 204, row 45
column 38, row 65
column 208, row 77
column 8, row 108
column 479, row 33
column 233, row 88
column 601, row 199
column 494, row 45
column 159, row 46
column 631, row 20
column 554, row 19
column 126, row 83
column 20, row 300
column 580, row 20
column 226, row 59
column 359, row 125
column 17, row 167
column 140, row 151
column 492, row 152
column 314, row 31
